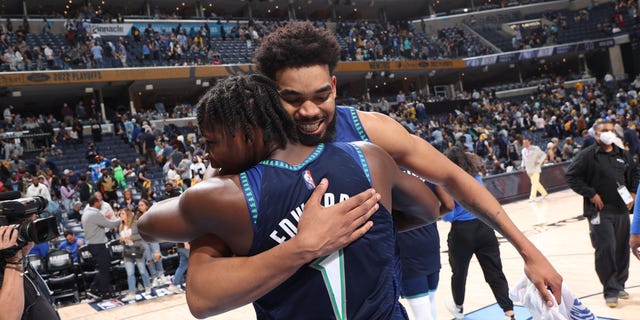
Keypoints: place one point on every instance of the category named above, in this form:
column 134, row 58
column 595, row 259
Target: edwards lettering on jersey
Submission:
column 288, row 227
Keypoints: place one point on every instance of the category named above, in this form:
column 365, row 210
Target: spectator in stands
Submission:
column 127, row 200
column 184, row 170
column 74, row 213
column 67, row 193
column 77, row 127
column 81, row 111
column 71, row 244
column 197, row 169
column 41, row 249
column 169, row 191
column 38, row 189
column 96, row 129
column 97, row 53
column 85, row 189
column 107, row 185
column 532, row 160
column 147, row 143
column 142, row 174
column 121, row 53
column 631, row 141
column 552, row 151
column 94, row 224
column 569, row 149
column 152, row 253
column 118, row 174
column 129, row 236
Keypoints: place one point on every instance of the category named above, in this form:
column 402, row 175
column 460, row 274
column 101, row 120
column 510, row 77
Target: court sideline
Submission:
column 554, row 225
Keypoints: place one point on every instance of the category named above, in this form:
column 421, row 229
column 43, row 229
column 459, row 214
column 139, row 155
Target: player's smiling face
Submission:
column 308, row 95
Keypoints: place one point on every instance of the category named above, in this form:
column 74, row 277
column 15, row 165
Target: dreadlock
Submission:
column 247, row 102
column 297, row 44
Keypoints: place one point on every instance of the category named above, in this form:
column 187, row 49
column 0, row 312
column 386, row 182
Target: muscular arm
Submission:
column 418, row 155
column 412, row 202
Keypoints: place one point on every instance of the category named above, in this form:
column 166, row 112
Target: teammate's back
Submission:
column 357, row 282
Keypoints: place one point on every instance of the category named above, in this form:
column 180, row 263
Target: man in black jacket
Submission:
column 607, row 177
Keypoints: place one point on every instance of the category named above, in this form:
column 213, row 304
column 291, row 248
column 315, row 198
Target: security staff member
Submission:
column 606, row 175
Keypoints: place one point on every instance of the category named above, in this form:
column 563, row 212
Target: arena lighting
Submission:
column 148, row 87
column 88, row 90
column 205, row 84
column 198, row 82
column 16, row 93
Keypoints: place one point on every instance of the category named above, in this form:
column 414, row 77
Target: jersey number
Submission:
column 332, row 268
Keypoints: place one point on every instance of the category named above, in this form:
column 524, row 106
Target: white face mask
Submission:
column 607, row 137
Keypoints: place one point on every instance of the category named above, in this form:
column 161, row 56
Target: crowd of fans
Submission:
column 556, row 117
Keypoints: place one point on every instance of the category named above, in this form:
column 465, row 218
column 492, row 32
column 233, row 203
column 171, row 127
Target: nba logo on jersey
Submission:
column 308, row 180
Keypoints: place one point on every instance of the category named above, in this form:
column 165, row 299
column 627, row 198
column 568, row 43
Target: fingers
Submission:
column 318, row 193
column 557, row 294
column 361, row 203
column 360, row 231
column 371, row 205
column 8, row 237
column 549, row 294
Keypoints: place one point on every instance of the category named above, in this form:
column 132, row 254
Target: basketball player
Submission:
column 419, row 252
column 273, row 255
column 301, row 59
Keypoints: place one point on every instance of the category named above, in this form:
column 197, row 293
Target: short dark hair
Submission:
column 244, row 103
column 600, row 122
column 93, row 199
column 297, row 44
column 68, row 232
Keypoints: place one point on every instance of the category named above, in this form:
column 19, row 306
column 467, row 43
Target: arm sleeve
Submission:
column 105, row 223
column 576, row 177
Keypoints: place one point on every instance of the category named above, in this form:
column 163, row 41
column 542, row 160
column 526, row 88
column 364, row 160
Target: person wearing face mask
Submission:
column 607, row 177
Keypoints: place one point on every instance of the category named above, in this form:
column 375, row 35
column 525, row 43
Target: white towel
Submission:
column 569, row 309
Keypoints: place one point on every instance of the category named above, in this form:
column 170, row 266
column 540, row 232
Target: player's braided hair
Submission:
column 247, row 102
column 297, row 44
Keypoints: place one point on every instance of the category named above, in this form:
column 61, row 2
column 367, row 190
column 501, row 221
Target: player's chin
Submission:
column 311, row 139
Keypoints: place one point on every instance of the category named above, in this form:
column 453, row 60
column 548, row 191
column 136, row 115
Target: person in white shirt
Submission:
column 532, row 159
column 105, row 207
column 36, row 188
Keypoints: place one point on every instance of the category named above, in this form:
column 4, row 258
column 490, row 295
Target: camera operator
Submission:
column 23, row 293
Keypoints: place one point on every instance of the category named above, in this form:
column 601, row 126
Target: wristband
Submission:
column 19, row 261
column 16, row 268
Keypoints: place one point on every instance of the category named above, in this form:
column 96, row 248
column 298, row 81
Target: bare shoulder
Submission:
column 375, row 155
column 387, row 133
column 372, row 118
column 213, row 197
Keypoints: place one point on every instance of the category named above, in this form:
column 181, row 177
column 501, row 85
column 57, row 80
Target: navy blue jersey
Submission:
column 348, row 126
column 357, row 282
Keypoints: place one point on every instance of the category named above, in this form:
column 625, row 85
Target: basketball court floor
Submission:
column 554, row 225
